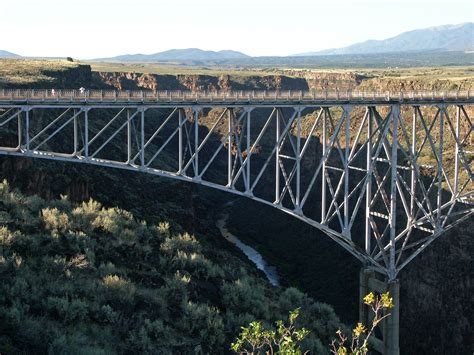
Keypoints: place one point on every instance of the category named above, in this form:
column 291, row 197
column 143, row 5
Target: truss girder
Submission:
column 404, row 169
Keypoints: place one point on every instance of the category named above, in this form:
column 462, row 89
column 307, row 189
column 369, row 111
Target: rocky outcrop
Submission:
column 327, row 80
column 195, row 82
column 393, row 84
column 282, row 80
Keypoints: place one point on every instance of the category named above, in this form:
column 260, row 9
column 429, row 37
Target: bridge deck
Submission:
column 216, row 98
column 407, row 174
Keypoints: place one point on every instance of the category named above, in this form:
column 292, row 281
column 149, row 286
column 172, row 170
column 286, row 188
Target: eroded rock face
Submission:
column 136, row 81
column 288, row 80
column 328, row 80
column 388, row 84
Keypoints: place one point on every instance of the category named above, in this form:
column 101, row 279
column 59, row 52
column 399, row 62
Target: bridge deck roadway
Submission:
column 103, row 98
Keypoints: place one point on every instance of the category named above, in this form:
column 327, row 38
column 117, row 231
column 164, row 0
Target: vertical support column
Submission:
column 456, row 152
column 393, row 190
column 142, row 137
column 298, row 160
column 76, row 139
column 180, row 140
column 86, row 133
column 413, row 176
column 129, row 137
column 392, row 323
column 20, row 129
column 27, row 128
column 323, row 171
column 346, row 169
column 440, row 162
column 229, row 148
column 196, row 142
column 277, row 157
column 248, row 150
column 368, row 193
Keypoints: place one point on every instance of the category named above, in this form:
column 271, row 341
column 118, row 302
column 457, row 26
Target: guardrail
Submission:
column 33, row 95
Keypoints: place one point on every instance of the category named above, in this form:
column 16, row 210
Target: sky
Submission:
column 89, row 29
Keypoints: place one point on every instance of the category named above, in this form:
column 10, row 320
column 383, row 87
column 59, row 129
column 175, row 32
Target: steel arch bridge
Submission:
column 402, row 163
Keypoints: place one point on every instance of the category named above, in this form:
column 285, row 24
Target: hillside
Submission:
column 82, row 278
column 440, row 38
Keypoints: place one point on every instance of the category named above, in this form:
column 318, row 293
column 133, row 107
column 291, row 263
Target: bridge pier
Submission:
column 370, row 281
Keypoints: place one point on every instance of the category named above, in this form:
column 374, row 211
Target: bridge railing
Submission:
column 35, row 95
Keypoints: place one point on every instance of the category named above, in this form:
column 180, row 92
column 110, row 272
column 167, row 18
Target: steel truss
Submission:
column 403, row 168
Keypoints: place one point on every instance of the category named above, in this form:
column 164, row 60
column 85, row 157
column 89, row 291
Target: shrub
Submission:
column 119, row 287
column 255, row 339
column 183, row 242
column 246, row 295
column 107, row 283
column 205, row 323
column 54, row 220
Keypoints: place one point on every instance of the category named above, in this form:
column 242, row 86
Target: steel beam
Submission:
column 393, row 177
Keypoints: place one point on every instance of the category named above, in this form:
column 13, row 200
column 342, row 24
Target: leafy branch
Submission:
column 360, row 334
column 255, row 339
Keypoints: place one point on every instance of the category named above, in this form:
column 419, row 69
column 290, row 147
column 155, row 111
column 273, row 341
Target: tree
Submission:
column 360, row 334
column 255, row 339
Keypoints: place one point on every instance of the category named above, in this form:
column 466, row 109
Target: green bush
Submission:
column 82, row 278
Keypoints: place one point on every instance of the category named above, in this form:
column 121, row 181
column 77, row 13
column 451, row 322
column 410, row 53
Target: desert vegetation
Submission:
column 85, row 278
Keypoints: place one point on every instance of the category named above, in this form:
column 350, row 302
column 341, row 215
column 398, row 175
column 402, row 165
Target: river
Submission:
column 253, row 255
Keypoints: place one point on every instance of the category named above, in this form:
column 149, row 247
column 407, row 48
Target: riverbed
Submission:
column 253, row 255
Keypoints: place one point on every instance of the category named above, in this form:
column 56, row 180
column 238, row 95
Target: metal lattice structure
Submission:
column 402, row 163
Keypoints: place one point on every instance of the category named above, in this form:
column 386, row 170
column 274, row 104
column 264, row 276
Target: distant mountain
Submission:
column 5, row 54
column 440, row 38
column 179, row 55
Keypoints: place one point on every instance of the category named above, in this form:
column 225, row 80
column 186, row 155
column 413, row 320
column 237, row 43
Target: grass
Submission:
column 26, row 71
column 31, row 71
column 157, row 68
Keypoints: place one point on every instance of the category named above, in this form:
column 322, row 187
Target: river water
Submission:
column 253, row 255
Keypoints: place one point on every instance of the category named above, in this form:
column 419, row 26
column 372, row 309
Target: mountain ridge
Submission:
column 458, row 37
column 6, row 54
column 436, row 39
column 180, row 55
